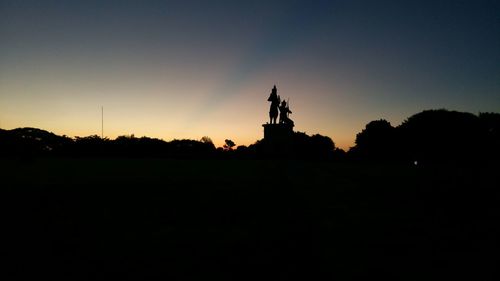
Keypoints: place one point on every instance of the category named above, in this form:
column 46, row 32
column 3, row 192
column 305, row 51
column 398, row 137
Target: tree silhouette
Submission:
column 228, row 145
column 375, row 141
column 206, row 139
column 32, row 142
column 490, row 124
column 312, row 147
column 431, row 136
column 440, row 135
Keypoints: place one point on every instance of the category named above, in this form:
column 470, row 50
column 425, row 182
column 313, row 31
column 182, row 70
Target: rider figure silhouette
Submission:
column 284, row 110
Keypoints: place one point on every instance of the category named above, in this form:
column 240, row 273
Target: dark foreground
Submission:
column 140, row 219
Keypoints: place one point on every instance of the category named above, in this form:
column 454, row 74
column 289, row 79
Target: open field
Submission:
column 247, row 219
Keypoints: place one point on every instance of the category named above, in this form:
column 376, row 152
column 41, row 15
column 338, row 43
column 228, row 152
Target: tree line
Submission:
column 427, row 137
column 431, row 136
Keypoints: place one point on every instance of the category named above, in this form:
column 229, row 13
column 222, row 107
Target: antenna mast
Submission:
column 102, row 122
column 288, row 107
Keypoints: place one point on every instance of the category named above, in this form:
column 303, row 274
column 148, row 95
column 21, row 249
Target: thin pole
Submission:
column 102, row 122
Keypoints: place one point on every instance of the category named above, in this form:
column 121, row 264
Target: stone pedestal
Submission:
column 278, row 133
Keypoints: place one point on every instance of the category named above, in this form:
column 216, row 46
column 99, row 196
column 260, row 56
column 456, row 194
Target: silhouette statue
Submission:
column 284, row 111
column 275, row 102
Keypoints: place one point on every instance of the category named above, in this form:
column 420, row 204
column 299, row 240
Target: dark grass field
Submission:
column 148, row 219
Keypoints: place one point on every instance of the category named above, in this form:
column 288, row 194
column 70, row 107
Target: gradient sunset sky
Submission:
column 188, row 69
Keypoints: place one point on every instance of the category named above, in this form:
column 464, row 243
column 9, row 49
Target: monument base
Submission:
column 278, row 140
column 278, row 133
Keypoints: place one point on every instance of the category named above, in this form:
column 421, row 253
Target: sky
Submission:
column 188, row 69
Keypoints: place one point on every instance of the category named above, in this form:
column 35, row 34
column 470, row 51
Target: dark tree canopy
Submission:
column 229, row 144
column 431, row 136
column 376, row 140
column 31, row 141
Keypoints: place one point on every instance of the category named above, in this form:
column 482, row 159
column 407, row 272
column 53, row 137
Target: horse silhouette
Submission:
column 275, row 102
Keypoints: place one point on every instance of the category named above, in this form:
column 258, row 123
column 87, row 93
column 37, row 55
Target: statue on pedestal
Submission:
column 278, row 136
